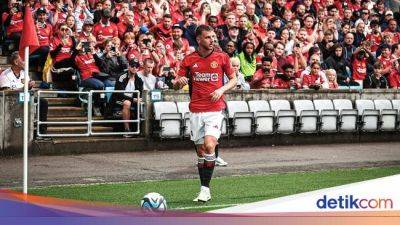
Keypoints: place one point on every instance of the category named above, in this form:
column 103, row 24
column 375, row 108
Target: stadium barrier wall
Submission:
column 11, row 121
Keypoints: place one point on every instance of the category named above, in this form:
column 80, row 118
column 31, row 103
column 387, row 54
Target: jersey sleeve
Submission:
column 227, row 67
column 184, row 68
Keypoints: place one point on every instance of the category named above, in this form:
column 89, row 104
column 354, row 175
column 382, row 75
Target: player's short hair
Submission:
column 201, row 28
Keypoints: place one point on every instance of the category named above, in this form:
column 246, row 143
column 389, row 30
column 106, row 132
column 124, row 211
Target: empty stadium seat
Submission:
column 242, row 119
column 369, row 116
column 388, row 118
column 170, row 121
column 308, row 116
column 183, row 108
column 263, row 117
column 328, row 115
column 285, row 116
column 348, row 115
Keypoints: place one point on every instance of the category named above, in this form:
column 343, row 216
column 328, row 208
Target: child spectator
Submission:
column 331, row 74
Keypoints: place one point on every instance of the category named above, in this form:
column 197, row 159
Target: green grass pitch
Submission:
column 226, row 191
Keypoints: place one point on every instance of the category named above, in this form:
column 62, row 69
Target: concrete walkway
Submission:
column 119, row 167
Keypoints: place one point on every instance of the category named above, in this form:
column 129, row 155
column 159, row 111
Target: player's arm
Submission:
column 217, row 94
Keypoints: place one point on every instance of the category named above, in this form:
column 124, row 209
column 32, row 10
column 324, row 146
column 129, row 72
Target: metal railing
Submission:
column 90, row 121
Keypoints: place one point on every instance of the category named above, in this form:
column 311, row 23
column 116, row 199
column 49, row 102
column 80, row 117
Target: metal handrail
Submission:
column 137, row 120
column 90, row 121
column 89, row 115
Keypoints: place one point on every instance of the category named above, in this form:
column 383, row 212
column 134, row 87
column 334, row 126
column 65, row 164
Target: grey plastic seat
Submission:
column 170, row 120
column 285, row 117
column 183, row 108
column 242, row 118
column 263, row 117
column 328, row 115
column 369, row 116
column 388, row 118
column 347, row 115
column 307, row 116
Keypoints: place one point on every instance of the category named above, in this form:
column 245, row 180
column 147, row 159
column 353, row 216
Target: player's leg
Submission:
column 212, row 131
column 197, row 136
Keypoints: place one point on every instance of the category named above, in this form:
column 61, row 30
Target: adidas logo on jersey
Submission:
column 195, row 65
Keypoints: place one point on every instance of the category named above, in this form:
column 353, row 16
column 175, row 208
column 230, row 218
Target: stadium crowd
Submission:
column 281, row 44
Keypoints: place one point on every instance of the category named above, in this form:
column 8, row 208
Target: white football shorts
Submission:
column 205, row 123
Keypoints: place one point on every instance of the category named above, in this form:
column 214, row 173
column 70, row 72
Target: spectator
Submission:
column 128, row 101
column 241, row 83
column 149, row 80
column 13, row 79
column 386, row 60
column 115, row 63
column 338, row 63
column 248, row 60
column 361, row 60
column 105, row 29
column 394, row 77
column 264, row 77
column 332, row 78
column 89, row 64
column 44, row 33
column 287, row 79
column 61, row 49
column 314, row 79
column 13, row 22
column 376, row 79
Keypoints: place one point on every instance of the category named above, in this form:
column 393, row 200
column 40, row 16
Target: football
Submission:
column 153, row 202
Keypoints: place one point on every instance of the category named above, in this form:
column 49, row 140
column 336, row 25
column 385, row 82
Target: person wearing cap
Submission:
column 44, row 32
column 177, row 41
column 129, row 81
column 105, row 29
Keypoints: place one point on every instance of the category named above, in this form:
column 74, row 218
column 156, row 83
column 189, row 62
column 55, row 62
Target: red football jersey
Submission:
column 206, row 74
column 102, row 32
column 86, row 65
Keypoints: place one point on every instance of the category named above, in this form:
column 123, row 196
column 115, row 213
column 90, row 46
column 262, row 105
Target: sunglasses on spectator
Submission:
column 63, row 29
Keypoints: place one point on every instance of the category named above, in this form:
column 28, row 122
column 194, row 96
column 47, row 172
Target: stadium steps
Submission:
column 72, row 119
column 66, row 111
column 77, row 129
column 62, row 101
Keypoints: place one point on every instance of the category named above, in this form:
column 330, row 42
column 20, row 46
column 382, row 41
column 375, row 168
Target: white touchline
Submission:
column 205, row 206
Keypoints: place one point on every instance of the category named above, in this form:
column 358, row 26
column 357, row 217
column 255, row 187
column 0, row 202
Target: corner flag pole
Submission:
column 26, row 99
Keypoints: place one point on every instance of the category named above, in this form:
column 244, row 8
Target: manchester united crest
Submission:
column 214, row 64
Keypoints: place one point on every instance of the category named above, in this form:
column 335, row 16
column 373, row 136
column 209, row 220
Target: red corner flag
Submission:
column 29, row 36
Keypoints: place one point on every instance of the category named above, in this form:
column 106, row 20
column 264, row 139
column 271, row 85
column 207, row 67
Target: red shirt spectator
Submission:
column 66, row 48
column 44, row 33
column 86, row 65
column 394, row 79
column 104, row 31
column 15, row 22
column 262, row 79
column 359, row 68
